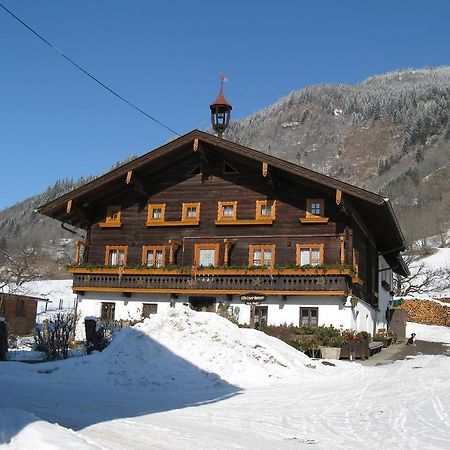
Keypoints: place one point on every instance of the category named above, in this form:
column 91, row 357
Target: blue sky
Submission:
column 166, row 57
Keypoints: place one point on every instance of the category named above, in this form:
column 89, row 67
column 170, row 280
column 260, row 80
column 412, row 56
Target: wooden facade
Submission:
column 19, row 312
column 263, row 224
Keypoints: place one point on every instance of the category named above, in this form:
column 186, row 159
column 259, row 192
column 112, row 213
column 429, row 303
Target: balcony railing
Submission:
column 215, row 280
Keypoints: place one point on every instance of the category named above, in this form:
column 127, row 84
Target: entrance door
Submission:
column 397, row 323
column 108, row 311
column 203, row 303
column 260, row 314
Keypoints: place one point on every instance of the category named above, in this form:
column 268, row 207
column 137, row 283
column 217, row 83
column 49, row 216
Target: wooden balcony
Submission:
column 214, row 280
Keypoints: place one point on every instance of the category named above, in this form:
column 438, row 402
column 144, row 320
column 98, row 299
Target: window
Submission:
column 227, row 211
column 314, row 207
column 112, row 218
column 315, row 211
column 156, row 212
column 190, row 212
column 153, row 256
column 309, row 317
column 206, row 255
column 148, row 309
column 20, row 308
column 261, row 255
column 265, row 210
column 108, row 311
column 309, row 254
column 116, row 255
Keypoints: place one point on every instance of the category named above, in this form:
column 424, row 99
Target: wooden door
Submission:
column 108, row 311
column 397, row 323
column 260, row 315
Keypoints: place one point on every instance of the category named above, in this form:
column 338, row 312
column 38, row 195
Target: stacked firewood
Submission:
column 427, row 312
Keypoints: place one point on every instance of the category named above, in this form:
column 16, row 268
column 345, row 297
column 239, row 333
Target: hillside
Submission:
column 390, row 134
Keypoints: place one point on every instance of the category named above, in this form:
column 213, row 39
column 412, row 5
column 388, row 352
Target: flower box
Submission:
column 330, row 352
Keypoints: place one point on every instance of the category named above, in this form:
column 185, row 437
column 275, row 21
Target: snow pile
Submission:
column 22, row 430
column 181, row 348
column 429, row 333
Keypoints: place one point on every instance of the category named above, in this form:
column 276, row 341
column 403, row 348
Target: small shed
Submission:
column 19, row 312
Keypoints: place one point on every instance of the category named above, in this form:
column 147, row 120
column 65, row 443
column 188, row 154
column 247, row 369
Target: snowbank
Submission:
column 22, row 430
column 181, row 347
column 430, row 333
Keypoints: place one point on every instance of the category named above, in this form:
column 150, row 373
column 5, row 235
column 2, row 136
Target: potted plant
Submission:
column 331, row 341
column 385, row 338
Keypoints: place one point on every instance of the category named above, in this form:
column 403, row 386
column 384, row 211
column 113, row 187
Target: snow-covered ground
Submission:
column 188, row 380
column 429, row 333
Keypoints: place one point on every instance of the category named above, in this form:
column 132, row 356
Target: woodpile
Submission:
column 427, row 312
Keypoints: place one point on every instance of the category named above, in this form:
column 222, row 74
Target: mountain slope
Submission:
column 389, row 134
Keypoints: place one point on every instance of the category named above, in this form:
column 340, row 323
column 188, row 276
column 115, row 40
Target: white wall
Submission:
column 384, row 297
column 125, row 308
column 333, row 310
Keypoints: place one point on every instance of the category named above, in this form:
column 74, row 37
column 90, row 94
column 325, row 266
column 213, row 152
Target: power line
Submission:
column 86, row 72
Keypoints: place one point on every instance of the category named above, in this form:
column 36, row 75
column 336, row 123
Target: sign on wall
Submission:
column 253, row 298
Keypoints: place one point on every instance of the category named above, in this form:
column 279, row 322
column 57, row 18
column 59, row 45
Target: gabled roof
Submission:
column 375, row 209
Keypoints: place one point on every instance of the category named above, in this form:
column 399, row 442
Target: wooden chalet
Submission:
column 207, row 221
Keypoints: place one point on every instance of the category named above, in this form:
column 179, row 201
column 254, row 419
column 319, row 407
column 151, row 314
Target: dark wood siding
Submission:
column 175, row 187
column 19, row 312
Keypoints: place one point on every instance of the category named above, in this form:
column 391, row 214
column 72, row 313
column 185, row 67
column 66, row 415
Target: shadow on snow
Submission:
column 125, row 380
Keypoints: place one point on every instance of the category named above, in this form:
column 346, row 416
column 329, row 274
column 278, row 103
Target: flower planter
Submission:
column 330, row 352
column 358, row 349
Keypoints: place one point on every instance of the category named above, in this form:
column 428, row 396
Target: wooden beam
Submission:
column 265, row 169
column 228, row 245
column 82, row 214
column 273, row 179
column 338, row 197
column 208, row 291
column 205, row 163
column 136, row 183
column 195, row 145
column 173, row 246
column 129, row 175
column 342, row 249
column 69, row 206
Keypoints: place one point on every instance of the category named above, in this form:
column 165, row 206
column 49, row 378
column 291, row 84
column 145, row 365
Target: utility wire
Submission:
column 86, row 72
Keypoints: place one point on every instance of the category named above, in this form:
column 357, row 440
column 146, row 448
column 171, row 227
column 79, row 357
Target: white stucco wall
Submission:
column 384, row 297
column 333, row 310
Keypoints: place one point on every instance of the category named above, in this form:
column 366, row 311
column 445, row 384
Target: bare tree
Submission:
column 19, row 268
column 422, row 280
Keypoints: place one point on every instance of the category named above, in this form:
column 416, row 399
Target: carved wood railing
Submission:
column 292, row 282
